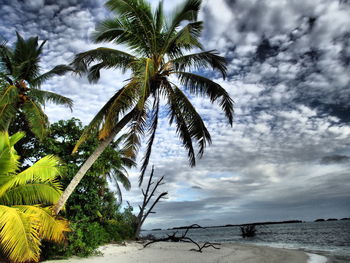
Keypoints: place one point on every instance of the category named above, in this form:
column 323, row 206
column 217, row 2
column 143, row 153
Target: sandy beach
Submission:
column 180, row 252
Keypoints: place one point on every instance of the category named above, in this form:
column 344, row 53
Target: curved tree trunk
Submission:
column 90, row 161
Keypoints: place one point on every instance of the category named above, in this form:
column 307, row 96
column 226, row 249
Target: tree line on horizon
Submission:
column 159, row 48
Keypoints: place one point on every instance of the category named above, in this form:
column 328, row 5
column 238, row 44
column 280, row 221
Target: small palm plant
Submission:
column 118, row 173
column 162, row 67
column 20, row 85
column 26, row 200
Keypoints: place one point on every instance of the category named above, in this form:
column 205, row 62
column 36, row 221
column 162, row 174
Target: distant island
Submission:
column 230, row 225
column 256, row 223
column 331, row 219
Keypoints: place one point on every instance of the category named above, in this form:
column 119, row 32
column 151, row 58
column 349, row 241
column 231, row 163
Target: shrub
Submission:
column 248, row 231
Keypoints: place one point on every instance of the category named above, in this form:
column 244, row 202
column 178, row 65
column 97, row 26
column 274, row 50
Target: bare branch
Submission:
column 184, row 238
column 154, row 203
column 147, row 196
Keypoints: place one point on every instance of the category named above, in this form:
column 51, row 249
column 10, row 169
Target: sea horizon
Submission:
column 327, row 238
column 269, row 222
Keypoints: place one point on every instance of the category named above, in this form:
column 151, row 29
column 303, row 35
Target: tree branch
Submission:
column 184, row 238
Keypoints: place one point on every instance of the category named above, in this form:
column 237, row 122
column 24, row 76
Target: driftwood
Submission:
column 147, row 196
column 184, row 238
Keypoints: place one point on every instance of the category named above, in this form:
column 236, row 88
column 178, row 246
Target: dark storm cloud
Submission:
column 64, row 23
column 335, row 159
column 303, row 45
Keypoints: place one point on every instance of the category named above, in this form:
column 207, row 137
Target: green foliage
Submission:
column 21, row 79
column 26, row 199
column 87, row 235
column 82, row 242
column 92, row 209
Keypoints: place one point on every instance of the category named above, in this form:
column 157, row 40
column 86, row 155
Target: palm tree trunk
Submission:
column 90, row 161
column 82, row 171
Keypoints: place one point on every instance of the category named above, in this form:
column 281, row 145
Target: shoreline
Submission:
column 173, row 252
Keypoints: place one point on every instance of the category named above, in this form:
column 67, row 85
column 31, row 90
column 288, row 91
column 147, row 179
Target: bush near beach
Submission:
column 93, row 210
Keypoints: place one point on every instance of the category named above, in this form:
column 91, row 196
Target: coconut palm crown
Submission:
column 159, row 48
column 20, row 84
column 26, row 200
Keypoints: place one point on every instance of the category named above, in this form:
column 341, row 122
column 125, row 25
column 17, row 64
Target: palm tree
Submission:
column 160, row 57
column 21, row 80
column 26, row 200
column 119, row 173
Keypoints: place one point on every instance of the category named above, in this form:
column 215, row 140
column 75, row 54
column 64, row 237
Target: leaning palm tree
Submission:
column 26, row 200
column 20, row 85
column 161, row 67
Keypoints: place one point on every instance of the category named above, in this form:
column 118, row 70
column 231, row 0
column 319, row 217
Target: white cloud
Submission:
column 270, row 159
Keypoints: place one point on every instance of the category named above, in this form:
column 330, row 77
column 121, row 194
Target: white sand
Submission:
column 180, row 252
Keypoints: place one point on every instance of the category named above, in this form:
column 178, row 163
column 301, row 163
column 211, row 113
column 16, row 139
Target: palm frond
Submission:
column 125, row 99
column 110, row 30
column 108, row 58
column 196, row 126
column 187, row 38
column 128, row 162
column 122, row 176
column 8, row 157
column 26, row 58
column 45, row 170
column 5, row 59
column 201, row 60
column 45, row 193
column 8, row 100
column 153, row 129
column 159, row 17
column 187, row 11
column 138, row 125
column 122, row 31
column 134, row 134
column 137, row 13
column 200, row 85
column 19, row 237
column 37, row 119
column 22, row 226
column 95, row 124
column 105, row 119
column 50, row 227
column 58, row 70
column 43, row 96
column 119, row 194
column 14, row 138
column 135, row 92
column 182, row 128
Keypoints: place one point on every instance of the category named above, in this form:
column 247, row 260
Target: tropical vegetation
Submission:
column 161, row 67
column 166, row 62
column 94, row 211
column 20, row 91
column 26, row 199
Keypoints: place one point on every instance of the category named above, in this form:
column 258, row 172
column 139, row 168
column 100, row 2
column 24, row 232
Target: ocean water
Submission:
column 331, row 238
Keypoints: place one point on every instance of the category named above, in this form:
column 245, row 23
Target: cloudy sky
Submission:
column 287, row 154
